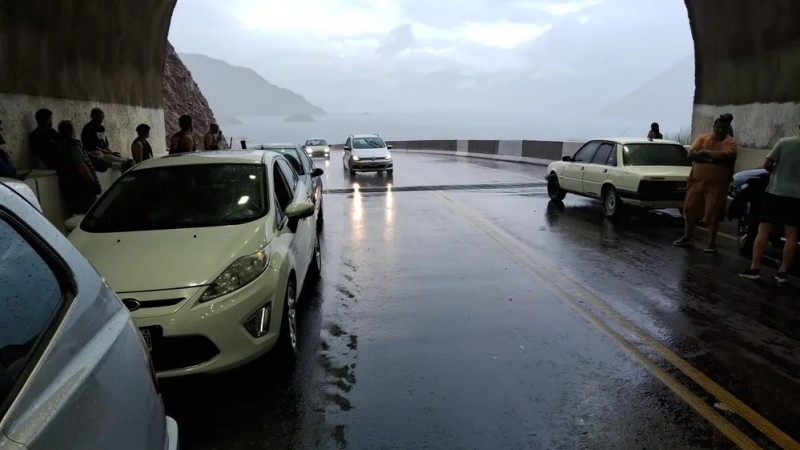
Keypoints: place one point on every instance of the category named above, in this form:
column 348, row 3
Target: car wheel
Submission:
column 352, row 173
column 315, row 268
column 746, row 235
column 320, row 216
column 287, row 341
column 390, row 172
column 554, row 190
column 612, row 205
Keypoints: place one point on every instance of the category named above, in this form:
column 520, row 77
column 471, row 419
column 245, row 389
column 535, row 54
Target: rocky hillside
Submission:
column 239, row 91
column 183, row 96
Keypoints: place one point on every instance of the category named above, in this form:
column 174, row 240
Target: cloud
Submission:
column 502, row 34
column 399, row 40
column 558, row 8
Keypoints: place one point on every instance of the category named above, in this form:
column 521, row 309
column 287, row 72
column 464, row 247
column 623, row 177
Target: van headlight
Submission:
column 239, row 274
column 356, row 158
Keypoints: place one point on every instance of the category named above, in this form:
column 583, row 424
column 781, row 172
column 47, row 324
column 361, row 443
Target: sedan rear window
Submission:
column 655, row 155
column 186, row 196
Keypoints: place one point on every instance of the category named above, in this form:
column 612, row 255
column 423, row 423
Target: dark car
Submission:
column 304, row 166
column 745, row 198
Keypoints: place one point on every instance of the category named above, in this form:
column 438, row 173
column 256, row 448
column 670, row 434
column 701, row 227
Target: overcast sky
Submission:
column 404, row 55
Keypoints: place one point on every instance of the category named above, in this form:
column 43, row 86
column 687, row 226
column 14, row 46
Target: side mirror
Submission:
column 346, row 148
column 390, row 147
column 317, row 172
column 300, row 210
column 566, row 158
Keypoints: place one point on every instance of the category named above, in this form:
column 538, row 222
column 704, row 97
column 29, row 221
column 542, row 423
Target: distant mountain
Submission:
column 238, row 91
column 665, row 98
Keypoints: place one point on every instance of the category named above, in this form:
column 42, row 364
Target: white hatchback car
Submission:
column 620, row 171
column 209, row 251
column 367, row 153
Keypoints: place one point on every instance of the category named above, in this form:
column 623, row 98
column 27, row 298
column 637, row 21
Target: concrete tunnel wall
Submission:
column 72, row 55
column 747, row 62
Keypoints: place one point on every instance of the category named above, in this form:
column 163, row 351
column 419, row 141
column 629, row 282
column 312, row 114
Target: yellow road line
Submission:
column 736, row 405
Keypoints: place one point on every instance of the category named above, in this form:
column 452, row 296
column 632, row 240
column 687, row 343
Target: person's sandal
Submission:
column 710, row 249
column 782, row 277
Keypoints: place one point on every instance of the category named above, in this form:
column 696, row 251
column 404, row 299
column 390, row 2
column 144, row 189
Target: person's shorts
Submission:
column 779, row 210
column 705, row 200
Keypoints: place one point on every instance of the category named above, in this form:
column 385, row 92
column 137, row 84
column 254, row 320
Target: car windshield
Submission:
column 368, row 142
column 292, row 155
column 313, row 142
column 655, row 155
column 186, row 196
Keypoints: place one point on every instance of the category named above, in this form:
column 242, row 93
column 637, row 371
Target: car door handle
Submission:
column 605, row 170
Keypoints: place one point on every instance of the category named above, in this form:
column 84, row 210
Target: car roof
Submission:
column 365, row 135
column 627, row 140
column 209, row 157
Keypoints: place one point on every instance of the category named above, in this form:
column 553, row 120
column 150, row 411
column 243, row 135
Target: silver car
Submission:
column 74, row 372
column 317, row 147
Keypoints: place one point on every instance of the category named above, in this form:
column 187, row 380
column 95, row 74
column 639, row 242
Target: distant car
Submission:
column 623, row 172
column 74, row 372
column 317, row 147
column 367, row 153
column 745, row 198
column 210, row 252
column 304, row 166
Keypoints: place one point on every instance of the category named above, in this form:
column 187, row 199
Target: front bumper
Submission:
column 318, row 152
column 371, row 166
column 192, row 337
column 172, row 435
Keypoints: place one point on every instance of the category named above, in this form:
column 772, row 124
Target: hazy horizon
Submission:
column 576, row 59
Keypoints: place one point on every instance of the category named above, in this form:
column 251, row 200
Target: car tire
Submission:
column 390, row 172
column 320, row 215
column 288, row 339
column 352, row 173
column 746, row 235
column 554, row 190
column 315, row 267
column 612, row 205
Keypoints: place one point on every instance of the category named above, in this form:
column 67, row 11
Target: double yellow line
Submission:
column 573, row 293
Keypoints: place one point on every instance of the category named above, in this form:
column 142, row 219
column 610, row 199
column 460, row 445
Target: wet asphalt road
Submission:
column 459, row 308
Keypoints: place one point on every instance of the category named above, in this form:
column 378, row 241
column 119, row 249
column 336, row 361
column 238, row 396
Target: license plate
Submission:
column 148, row 338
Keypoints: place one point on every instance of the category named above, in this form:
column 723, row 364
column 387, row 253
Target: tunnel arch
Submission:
column 111, row 53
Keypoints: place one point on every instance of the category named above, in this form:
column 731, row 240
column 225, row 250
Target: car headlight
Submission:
column 239, row 274
column 327, row 149
column 389, row 156
column 356, row 158
column 308, row 150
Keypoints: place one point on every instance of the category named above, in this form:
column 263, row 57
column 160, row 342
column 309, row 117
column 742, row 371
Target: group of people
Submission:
column 713, row 157
column 77, row 161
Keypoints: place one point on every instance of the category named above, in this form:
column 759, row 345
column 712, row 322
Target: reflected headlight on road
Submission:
column 239, row 274
column 356, row 158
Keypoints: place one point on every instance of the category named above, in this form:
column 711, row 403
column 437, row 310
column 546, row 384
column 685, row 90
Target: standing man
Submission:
column 95, row 141
column 654, row 133
column 44, row 139
column 140, row 147
column 183, row 141
column 781, row 205
column 729, row 118
column 77, row 178
column 213, row 138
column 714, row 156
